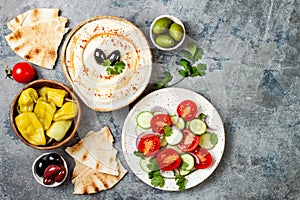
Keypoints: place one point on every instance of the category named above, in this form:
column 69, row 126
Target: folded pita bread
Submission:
column 32, row 16
column 37, row 35
column 89, row 181
column 96, row 151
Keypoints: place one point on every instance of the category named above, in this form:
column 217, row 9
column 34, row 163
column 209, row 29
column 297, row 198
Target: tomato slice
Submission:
column 149, row 144
column 187, row 110
column 189, row 142
column 159, row 121
column 203, row 158
column 168, row 159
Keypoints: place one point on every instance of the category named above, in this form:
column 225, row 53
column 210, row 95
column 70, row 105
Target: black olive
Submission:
column 114, row 56
column 99, row 56
column 54, row 158
column 41, row 165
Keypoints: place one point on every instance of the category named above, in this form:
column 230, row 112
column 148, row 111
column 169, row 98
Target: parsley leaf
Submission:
column 202, row 116
column 164, row 82
column 188, row 62
column 152, row 166
column 156, row 178
column 184, row 165
column 117, row 68
column 106, row 62
column 168, row 130
column 139, row 154
column 181, row 182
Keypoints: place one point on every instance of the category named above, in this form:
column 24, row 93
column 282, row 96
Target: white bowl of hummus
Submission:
column 108, row 62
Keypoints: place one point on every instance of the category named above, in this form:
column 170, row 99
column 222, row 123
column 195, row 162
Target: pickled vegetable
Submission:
column 27, row 99
column 44, row 110
column 161, row 25
column 165, row 41
column 176, row 32
column 31, row 128
column 67, row 111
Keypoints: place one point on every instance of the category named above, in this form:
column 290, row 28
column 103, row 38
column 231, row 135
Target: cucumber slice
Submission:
column 167, row 174
column 197, row 126
column 208, row 140
column 139, row 130
column 148, row 165
column 143, row 119
column 181, row 172
column 188, row 162
column 176, row 136
column 179, row 122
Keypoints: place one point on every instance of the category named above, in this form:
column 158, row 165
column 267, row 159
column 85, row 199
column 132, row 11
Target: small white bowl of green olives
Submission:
column 167, row 32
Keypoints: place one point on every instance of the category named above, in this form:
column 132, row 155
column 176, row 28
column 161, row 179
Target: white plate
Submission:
column 97, row 89
column 169, row 98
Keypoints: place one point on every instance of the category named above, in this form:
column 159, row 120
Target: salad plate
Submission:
column 108, row 62
column 168, row 99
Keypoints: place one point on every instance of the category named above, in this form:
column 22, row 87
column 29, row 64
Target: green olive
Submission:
column 164, row 41
column 176, row 31
column 161, row 25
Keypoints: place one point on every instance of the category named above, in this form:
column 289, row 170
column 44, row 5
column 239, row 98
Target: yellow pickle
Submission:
column 57, row 96
column 58, row 129
column 27, row 100
column 31, row 128
column 68, row 111
column 45, row 110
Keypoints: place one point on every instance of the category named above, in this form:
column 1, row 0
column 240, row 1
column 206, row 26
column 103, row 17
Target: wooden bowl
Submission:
column 37, row 85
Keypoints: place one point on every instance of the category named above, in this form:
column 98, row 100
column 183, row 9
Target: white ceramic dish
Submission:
column 40, row 179
column 90, row 80
column 169, row 98
column 152, row 35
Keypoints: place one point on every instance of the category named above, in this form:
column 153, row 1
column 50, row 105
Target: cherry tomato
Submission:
column 159, row 121
column 149, row 144
column 189, row 142
column 168, row 159
column 187, row 110
column 203, row 158
column 23, row 72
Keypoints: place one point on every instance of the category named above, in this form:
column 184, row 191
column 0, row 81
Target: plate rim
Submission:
column 172, row 89
column 64, row 65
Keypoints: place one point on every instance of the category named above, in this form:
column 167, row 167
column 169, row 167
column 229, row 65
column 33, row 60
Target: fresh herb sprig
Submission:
column 181, row 182
column 188, row 64
column 156, row 178
column 115, row 67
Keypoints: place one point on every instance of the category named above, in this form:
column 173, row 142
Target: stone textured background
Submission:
column 252, row 51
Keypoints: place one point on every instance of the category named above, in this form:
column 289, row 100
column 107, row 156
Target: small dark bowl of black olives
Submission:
column 50, row 169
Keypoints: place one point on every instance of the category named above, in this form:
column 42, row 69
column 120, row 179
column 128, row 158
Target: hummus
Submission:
column 97, row 89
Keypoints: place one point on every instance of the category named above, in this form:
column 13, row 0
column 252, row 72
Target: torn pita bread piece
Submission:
column 96, row 151
column 89, row 181
column 36, row 36
column 31, row 16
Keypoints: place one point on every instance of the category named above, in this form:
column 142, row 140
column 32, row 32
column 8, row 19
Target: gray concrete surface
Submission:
column 252, row 52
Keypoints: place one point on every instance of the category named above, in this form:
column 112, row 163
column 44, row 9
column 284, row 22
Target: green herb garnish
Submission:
column 181, row 182
column 153, row 166
column 156, row 178
column 189, row 68
column 139, row 154
column 168, row 130
column 117, row 68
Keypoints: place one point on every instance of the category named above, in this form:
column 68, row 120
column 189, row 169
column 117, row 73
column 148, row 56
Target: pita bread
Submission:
column 89, row 181
column 37, row 35
column 96, row 151
column 32, row 16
